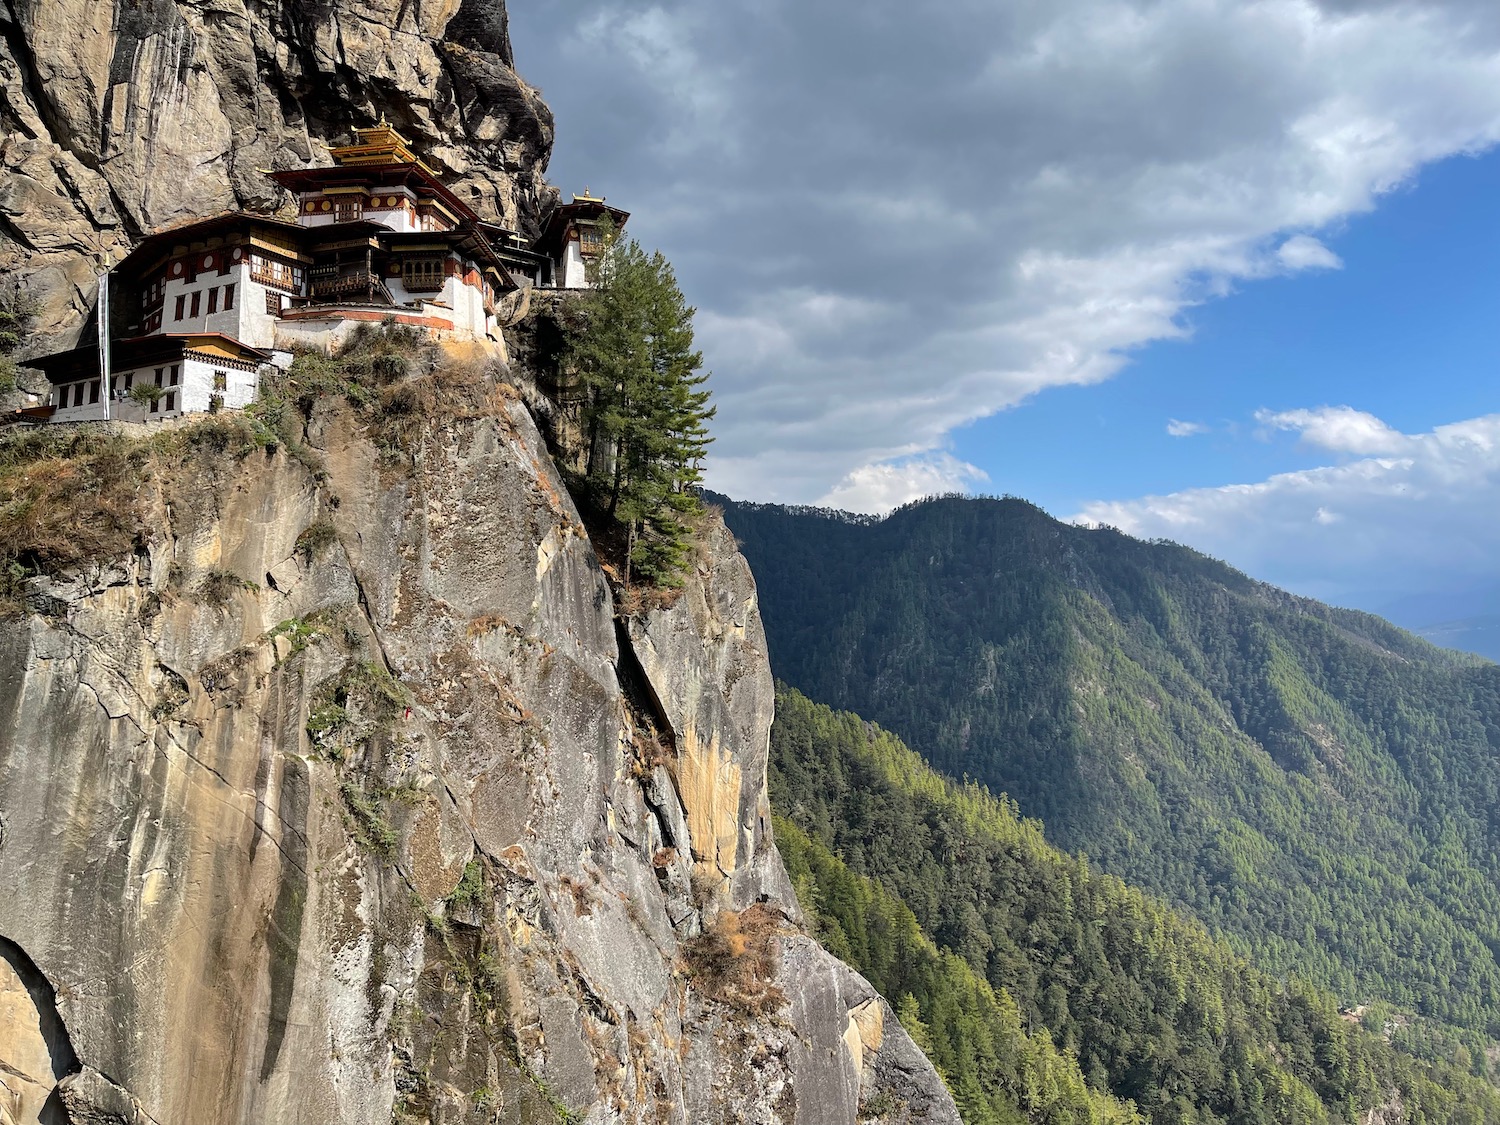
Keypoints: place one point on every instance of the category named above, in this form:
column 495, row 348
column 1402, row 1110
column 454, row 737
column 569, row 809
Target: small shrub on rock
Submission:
column 734, row 959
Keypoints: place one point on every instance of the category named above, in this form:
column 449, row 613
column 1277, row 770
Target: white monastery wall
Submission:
column 572, row 274
column 188, row 386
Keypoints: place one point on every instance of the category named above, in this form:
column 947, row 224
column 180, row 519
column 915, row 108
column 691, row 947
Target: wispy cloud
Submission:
column 1338, row 429
column 1404, row 509
column 882, row 486
column 1178, row 428
column 1304, row 252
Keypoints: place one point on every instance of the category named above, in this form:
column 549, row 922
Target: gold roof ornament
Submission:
column 377, row 144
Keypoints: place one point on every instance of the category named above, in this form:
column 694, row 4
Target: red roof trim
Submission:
column 303, row 178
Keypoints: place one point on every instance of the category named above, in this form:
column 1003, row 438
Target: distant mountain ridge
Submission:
column 1318, row 786
column 1479, row 635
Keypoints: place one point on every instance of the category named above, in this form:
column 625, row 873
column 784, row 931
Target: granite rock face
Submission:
column 347, row 798
column 121, row 118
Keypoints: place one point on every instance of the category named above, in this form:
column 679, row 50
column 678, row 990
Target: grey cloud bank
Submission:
column 896, row 219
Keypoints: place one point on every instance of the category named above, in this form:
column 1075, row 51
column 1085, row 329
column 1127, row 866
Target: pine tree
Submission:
column 647, row 412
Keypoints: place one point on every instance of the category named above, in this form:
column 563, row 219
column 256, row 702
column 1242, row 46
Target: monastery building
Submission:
column 207, row 306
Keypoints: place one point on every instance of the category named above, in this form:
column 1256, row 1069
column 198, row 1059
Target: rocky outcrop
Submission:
column 345, row 798
column 122, row 118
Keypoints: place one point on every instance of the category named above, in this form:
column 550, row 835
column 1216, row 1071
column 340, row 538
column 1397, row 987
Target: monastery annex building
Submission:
column 200, row 310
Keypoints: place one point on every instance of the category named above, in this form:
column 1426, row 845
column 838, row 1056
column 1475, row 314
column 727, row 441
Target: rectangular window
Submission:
column 93, row 392
column 129, row 381
column 221, row 380
column 273, row 304
column 181, row 299
column 269, row 271
column 169, row 403
column 422, row 275
column 213, row 299
column 349, row 210
column 228, row 297
column 197, row 304
column 176, row 376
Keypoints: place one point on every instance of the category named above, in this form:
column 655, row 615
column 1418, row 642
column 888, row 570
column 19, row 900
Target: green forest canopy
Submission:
column 995, row 945
column 1318, row 787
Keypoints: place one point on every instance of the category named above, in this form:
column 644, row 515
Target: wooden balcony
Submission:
column 347, row 284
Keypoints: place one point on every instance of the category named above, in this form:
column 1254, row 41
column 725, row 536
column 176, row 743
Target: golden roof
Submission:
column 378, row 144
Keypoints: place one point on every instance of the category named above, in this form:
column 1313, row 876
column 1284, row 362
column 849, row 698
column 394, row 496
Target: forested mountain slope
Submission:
column 946, row 899
column 1312, row 783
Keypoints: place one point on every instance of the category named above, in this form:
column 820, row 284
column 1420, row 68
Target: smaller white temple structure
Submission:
column 205, row 307
column 574, row 238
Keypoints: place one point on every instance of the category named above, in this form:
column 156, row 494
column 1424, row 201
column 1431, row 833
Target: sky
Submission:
column 1217, row 271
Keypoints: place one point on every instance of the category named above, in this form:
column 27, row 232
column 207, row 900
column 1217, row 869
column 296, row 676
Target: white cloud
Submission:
column 1338, row 429
column 896, row 221
column 1178, row 428
column 1304, row 252
column 886, row 485
column 1415, row 510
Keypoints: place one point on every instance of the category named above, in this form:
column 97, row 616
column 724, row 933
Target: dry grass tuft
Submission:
column 734, row 959
column 76, row 495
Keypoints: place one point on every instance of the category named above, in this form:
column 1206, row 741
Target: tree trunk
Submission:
column 629, row 552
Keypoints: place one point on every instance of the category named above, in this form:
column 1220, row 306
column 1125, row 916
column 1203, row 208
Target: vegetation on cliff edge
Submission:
column 645, row 409
column 934, row 889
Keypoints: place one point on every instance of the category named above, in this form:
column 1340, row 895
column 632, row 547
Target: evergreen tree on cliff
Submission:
column 646, row 409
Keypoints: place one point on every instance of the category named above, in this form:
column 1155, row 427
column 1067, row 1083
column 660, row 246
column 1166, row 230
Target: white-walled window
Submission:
column 422, row 275
column 271, row 271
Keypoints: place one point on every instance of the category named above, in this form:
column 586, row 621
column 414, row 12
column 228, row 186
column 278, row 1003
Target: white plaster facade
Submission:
column 248, row 320
column 572, row 270
column 189, row 385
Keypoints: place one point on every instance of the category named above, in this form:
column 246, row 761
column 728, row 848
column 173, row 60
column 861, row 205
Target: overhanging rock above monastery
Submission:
column 123, row 119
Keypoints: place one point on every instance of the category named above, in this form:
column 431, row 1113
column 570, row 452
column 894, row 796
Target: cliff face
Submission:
column 346, row 799
column 121, row 118
column 331, row 787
